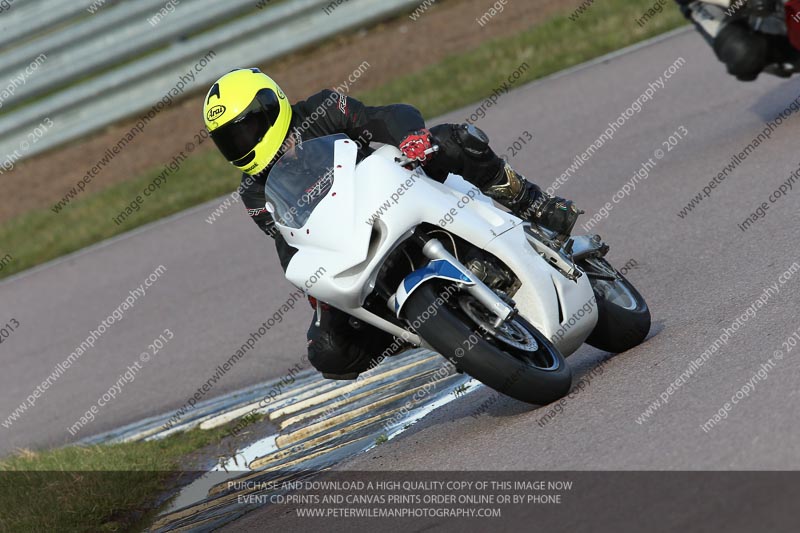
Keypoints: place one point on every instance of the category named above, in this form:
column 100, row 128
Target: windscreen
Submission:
column 300, row 180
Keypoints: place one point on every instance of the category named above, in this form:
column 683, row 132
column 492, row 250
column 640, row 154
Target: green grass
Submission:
column 41, row 235
column 93, row 488
column 547, row 48
column 558, row 43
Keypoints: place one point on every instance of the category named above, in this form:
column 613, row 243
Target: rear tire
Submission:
column 539, row 377
column 623, row 318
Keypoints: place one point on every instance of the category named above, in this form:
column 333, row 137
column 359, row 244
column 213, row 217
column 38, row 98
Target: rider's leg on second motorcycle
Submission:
column 745, row 51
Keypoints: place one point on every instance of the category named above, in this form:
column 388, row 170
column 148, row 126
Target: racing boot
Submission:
column 341, row 347
column 526, row 200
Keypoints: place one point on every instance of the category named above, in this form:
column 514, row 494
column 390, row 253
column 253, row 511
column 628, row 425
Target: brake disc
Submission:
column 509, row 333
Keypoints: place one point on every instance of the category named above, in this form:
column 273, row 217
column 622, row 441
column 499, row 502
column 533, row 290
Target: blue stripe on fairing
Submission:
column 436, row 268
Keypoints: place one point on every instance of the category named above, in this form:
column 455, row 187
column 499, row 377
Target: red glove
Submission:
column 415, row 144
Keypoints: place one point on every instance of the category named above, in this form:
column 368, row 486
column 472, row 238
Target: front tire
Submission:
column 538, row 376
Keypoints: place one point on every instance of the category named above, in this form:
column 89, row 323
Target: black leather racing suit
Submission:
column 335, row 347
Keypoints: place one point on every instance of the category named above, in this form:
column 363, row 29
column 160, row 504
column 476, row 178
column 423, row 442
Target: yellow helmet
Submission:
column 248, row 117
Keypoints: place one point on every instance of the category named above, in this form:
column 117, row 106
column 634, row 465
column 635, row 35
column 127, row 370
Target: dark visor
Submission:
column 238, row 138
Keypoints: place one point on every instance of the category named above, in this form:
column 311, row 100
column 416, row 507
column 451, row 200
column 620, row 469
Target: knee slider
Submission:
column 473, row 140
column 464, row 149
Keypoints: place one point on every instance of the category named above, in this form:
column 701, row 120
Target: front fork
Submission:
column 444, row 266
column 433, row 249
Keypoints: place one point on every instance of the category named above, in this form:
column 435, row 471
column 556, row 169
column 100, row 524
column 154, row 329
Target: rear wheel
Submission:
column 514, row 359
column 623, row 318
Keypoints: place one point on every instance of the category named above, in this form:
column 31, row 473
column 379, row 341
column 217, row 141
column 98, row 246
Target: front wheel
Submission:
column 623, row 318
column 515, row 359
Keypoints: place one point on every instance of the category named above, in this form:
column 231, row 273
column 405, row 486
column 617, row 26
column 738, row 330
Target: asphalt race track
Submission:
column 699, row 273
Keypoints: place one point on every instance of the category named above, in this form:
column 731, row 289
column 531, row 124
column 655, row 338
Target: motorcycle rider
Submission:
column 748, row 36
column 252, row 124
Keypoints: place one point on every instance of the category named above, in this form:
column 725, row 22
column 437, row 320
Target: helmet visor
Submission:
column 240, row 136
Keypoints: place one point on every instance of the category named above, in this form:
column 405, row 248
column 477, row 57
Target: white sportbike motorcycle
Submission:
column 502, row 299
